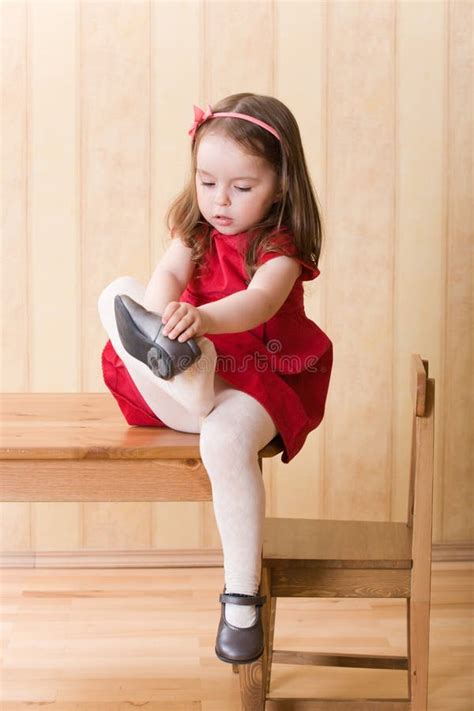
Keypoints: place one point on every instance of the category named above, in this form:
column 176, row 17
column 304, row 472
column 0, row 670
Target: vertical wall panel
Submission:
column 53, row 209
column 458, row 370
column 118, row 526
column 420, row 224
column 167, row 527
column 359, row 270
column 238, row 48
column 15, row 527
column 56, row 527
column 115, row 143
column 14, row 294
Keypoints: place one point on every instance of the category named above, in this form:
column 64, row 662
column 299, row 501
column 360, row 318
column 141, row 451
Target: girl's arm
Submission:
column 264, row 296
column 162, row 288
column 171, row 275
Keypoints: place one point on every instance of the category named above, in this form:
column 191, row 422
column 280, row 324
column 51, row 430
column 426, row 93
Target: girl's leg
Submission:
column 183, row 401
column 231, row 437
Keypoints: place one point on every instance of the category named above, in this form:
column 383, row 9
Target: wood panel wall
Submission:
column 96, row 103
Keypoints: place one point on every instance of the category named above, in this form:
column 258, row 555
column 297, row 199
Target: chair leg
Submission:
column 418, row 635
column 253, row 676
column 235, row 668
column 268, row 630
column 268, row 620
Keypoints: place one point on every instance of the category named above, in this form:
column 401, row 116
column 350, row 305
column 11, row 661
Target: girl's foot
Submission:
column 240, row 645
column 141, row 334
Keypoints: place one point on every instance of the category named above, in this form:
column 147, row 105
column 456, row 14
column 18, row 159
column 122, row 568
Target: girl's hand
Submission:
column 184, row 321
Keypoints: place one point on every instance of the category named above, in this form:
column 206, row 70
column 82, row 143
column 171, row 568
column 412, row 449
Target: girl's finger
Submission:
column 173, row 328
column 168, row 329
column 183, row 328
column 171, row 323
column 171, row 308
column 185, row 335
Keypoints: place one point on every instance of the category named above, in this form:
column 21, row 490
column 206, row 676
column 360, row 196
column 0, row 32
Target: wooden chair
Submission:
column 357, row 559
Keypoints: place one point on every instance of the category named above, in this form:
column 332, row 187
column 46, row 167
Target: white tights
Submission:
column 233, row 426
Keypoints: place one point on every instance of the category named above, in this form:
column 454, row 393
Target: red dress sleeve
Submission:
column 284, row 245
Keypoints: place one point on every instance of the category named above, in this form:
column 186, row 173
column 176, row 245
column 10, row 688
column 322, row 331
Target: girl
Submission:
column 219, row 342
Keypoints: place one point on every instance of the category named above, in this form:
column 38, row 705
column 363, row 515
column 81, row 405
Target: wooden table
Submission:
column 78, row 447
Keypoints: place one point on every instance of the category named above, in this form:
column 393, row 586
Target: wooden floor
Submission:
column 115, row 640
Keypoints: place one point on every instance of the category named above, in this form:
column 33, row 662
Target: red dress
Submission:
column 284, row 363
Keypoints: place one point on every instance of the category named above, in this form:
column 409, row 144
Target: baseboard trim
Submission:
column 171, row 558
column 450, row 552
column 179, row 558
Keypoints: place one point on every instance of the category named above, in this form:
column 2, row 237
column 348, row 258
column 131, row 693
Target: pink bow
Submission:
column 199, row 117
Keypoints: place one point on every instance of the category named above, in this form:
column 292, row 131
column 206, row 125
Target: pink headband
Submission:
column 200, row 116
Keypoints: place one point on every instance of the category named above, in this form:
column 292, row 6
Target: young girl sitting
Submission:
column 219, row 342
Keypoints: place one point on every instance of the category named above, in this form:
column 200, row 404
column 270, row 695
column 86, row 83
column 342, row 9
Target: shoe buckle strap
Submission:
column 235, row 599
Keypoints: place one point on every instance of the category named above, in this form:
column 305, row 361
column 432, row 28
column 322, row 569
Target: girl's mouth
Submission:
column 223, row 220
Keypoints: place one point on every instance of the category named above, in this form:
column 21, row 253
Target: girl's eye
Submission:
column 243, row 190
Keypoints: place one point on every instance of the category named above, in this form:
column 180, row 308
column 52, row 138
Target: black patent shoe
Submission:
column 240, row 645
column 141, row 334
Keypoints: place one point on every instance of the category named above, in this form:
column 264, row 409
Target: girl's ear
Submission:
column 278, row 190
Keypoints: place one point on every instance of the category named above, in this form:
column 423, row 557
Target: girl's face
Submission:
column 233, row 184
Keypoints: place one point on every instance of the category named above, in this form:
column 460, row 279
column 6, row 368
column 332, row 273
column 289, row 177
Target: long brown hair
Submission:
column 297, row 208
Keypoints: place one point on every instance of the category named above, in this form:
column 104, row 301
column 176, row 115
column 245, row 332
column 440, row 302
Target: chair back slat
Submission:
column 423, row 498
column 418, row 375
column 418, row 385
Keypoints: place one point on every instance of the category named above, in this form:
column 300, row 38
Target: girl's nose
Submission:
column 222, row 198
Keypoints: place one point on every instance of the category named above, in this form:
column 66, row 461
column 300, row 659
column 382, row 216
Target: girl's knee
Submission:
column 200, row 409
column 217, row 440
column 122, row 285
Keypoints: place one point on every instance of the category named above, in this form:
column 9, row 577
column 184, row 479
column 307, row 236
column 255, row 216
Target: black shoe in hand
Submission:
column 141, row 334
